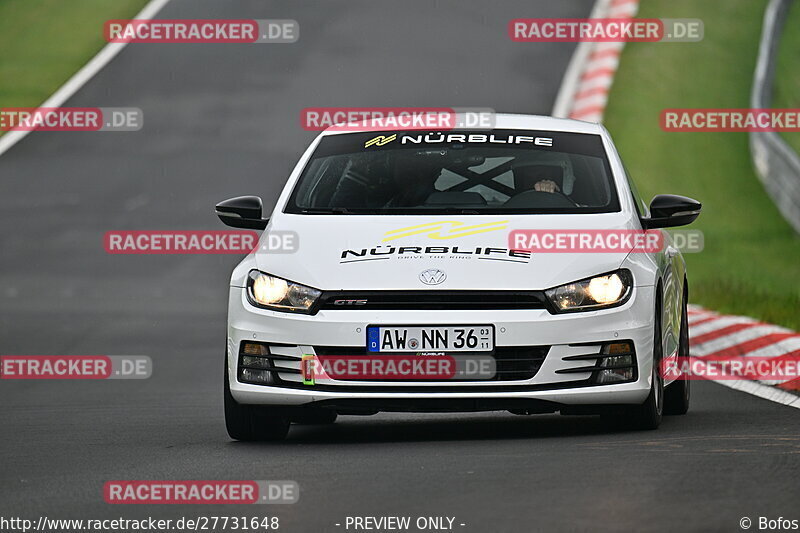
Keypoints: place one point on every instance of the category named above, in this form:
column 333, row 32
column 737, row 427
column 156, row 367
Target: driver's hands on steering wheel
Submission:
column 546, row 186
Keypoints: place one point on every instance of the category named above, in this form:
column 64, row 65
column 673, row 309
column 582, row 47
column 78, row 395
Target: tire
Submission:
column 251, row 422
column 678, row 393
column 649, row 414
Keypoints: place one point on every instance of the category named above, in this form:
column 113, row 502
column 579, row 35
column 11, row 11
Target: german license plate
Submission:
column 397, row 339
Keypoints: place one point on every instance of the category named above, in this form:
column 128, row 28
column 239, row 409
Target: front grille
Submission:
column 513, row 363
column 281, row 364
column 432, row 299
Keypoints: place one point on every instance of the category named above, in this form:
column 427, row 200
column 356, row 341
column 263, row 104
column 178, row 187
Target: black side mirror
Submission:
column 242, row 212
column 670, row 210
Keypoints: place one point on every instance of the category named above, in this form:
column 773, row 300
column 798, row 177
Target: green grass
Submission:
column 751, row 261
column 44, row 42
column 787, row 76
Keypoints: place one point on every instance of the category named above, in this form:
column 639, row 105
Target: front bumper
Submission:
column 564, row 335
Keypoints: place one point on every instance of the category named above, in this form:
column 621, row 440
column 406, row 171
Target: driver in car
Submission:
column 548, row 177
column 546, row 186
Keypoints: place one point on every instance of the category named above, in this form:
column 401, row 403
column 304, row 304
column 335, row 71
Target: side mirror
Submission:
column 670, row 210
column 242, row 212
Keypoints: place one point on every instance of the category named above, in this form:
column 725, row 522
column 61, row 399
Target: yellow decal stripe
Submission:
column 380, row 140
column 435, row 229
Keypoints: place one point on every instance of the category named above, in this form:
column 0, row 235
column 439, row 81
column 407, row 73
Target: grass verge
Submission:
column 751, row 262
column 44, row 42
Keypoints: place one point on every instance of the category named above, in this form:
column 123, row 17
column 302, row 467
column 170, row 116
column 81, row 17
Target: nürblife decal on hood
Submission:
column 410, row 253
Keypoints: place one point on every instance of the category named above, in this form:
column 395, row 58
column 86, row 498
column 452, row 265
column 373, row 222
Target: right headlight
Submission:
column 598, row 292
column 278, row 294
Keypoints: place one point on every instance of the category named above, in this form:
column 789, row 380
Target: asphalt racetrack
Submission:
column 222, row 121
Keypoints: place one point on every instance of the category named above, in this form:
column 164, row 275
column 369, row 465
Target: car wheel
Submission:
column 251, row 422
column 676, row 396
column 649, row 414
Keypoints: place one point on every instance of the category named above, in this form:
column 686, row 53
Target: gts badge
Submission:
column 349, row 302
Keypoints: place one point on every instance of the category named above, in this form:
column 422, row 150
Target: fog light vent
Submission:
column 616, row 375
column 614, row 348
column 254, row 348
column 617, row 361
column 251, row 375
column 254, row 365
column 619, row 366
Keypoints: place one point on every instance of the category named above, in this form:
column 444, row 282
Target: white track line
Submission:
column 86, row 73
column 734, row 339
column 694, row 319
column 718, row 323
column 576, row 67
column 583, row 94
column 777, row 349
column 755, row 388
column 764, row 391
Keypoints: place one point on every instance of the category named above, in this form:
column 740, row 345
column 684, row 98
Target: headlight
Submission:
column 593, row 293
column 279, row 294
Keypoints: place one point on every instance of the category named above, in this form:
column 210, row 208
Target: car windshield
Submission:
column 498, row 171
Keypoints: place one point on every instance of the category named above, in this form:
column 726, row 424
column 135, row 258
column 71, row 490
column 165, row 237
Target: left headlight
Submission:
column 598, row 292
column 278, row 294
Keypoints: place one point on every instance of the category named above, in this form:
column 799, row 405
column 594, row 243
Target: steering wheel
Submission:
column 539, row 199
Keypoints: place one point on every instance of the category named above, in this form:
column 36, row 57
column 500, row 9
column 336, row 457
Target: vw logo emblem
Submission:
column 432, row 276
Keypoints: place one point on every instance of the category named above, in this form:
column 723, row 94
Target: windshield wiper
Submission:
column 392, row 211
column 454, row 210
column 327, row 210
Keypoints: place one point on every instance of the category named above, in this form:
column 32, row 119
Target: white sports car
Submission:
column 414, row 285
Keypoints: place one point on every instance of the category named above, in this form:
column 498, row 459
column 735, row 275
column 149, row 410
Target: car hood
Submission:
column 341, row 252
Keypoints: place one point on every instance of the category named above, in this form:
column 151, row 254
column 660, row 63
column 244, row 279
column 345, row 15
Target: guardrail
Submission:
column 777, row 164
